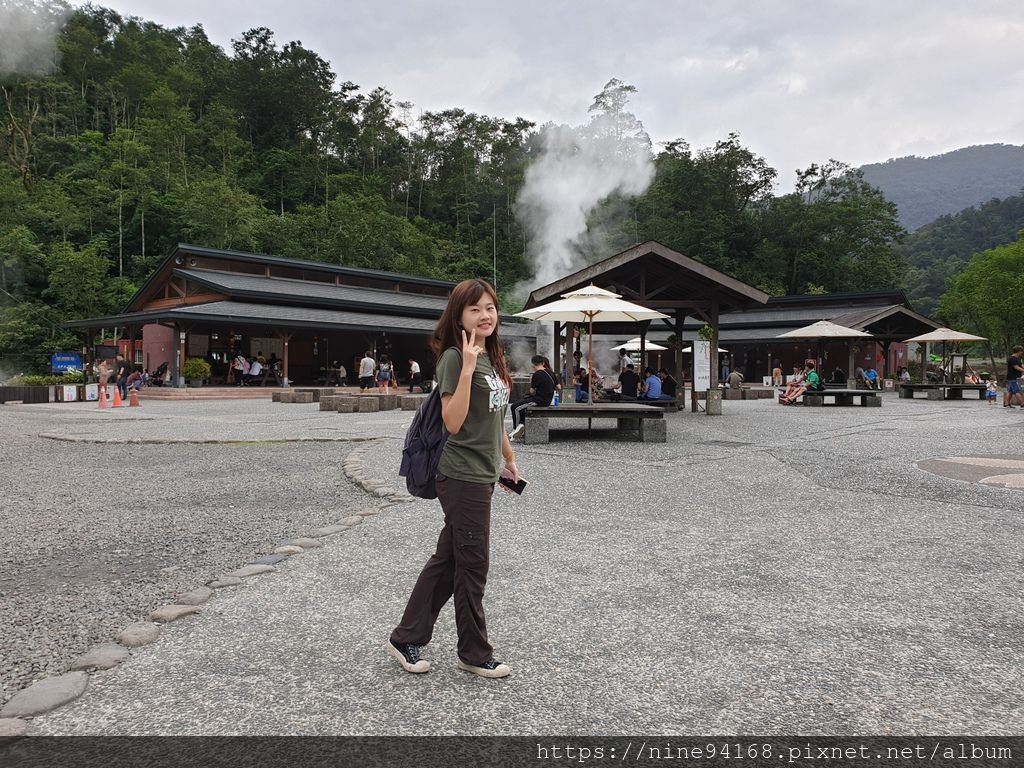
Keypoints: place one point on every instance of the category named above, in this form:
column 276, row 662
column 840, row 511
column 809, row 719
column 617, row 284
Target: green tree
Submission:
column 987, row 298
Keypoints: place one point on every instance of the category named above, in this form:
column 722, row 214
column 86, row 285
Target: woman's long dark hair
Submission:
column 447, row 333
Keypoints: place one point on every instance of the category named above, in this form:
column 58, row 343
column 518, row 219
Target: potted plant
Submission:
column 195, row 371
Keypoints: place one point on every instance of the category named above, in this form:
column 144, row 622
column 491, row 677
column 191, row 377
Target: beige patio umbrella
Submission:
column 826, row 329
column 944, row 335
column 588, row 305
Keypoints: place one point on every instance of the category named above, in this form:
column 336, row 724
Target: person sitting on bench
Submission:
column 652, row 386
column 669, row 386
column 542, row 389
column 811, row 383
column 871, row 379
column 629, row 386
column 795, row 382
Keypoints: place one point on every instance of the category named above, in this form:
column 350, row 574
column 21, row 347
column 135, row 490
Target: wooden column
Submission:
column 284, row 361
column 556, row 364
column 680, row 317
column 714, row 343
column 180, row 331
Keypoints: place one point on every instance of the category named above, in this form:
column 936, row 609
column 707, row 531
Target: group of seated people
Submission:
column 803, row 380
column 660, row 385
column 141, row 377
column 544, row 384
column 868, row 379
column 253, row 371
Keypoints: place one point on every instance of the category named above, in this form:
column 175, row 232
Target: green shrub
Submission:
column 34, row 380
column 195, row 368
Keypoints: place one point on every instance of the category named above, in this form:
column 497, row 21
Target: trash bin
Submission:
column 714, row 402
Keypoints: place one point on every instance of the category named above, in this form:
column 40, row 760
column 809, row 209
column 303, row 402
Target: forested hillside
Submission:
column 144, row 136
column 941, row 250
column 925, row 188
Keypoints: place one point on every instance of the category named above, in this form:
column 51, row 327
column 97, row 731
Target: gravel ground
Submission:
column 773, row 570
column 97, row 536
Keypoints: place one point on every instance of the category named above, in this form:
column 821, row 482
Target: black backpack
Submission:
column 424, row 443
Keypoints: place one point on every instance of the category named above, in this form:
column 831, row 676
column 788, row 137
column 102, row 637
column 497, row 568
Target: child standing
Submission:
column 991, row 391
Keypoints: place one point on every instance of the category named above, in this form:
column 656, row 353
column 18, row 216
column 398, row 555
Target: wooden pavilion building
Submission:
column 745, row 320
column 216, row 304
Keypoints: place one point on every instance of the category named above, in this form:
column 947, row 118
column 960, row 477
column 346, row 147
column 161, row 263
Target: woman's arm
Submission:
column 510, row 457
column 455, row 407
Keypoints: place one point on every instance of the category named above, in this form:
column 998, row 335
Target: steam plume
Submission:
column 578, row 169
column 28, row 36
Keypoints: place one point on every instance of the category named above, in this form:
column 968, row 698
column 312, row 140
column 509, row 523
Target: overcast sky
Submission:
column 800, row 81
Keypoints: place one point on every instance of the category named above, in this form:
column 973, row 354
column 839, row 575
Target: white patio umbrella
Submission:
column 588, row 305
column 826, row 329
column 944, row 335
column 633, row 345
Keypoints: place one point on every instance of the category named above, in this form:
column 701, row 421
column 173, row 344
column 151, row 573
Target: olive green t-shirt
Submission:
column 474, row 454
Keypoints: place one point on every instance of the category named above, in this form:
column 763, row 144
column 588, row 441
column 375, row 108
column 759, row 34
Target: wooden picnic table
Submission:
column 647, row 422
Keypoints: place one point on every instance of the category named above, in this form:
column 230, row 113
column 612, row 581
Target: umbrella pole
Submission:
column 590, row 358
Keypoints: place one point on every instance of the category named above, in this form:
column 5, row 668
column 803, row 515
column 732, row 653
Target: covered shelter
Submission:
column 752, row 336
column 657, row 277
column 216, row 304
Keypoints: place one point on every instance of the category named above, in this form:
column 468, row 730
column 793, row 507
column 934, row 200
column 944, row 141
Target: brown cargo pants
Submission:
column 458, row 566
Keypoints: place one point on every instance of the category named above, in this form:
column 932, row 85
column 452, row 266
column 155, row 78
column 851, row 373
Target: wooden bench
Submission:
column 941, row 391
column 671, row 406
column 864, row 397
column 646, row 422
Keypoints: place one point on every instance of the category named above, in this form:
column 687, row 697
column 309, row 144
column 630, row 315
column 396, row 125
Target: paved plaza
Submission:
column 772, row 570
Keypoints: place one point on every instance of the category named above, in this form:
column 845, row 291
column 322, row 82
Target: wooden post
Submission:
column 179, row 380
column 714, row 343
column 284, row 363
column 557, row 362
column 680, row 392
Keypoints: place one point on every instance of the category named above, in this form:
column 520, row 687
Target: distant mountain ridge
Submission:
column 925, row 188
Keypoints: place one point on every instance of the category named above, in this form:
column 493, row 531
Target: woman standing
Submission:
column 384, row 374
column 474, row 383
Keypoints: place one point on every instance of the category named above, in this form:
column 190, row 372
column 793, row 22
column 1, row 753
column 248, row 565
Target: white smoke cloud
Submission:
column 28, row 36
column 576, row 170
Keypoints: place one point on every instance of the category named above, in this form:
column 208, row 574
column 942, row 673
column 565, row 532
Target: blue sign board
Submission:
column 62, row 362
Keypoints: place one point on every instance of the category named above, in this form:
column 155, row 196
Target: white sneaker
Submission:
column 516, row 432
column 489, row 669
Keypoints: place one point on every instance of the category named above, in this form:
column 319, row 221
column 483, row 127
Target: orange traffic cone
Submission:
column 117, row 398
column 103, row 397
column 133, row 399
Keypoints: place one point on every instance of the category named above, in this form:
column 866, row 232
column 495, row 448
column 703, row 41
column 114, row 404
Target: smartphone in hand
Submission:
column 506, row 480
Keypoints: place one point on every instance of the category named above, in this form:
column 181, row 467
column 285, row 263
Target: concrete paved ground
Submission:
column 772, row 570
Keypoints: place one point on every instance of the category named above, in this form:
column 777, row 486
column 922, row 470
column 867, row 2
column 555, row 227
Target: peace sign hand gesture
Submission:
column 470, row 350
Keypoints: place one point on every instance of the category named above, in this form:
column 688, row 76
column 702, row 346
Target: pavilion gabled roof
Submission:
column 654, row 275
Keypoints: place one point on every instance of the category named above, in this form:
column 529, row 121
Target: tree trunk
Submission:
column 120, row 233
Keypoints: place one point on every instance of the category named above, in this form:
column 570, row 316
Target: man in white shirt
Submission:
column 255, row 371
column 366, row 366
column 415, row 376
